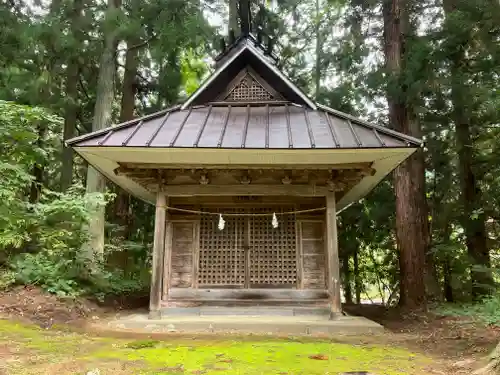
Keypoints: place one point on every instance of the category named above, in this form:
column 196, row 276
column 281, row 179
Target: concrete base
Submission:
column 239, row 324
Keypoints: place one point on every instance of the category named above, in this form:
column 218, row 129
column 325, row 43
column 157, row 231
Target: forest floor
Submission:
column 40, row 334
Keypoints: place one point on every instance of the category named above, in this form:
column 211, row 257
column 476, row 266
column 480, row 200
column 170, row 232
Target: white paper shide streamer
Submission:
column 222, row 222
column 275, row 221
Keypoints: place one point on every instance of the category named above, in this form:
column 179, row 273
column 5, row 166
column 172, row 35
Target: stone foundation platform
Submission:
column 247, row 321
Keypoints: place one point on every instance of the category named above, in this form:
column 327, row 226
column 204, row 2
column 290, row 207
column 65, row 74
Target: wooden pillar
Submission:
column 158, row 251
column 332, row 256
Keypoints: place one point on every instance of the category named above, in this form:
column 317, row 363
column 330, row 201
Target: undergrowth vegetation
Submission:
column 487, row 310
column 42, row 232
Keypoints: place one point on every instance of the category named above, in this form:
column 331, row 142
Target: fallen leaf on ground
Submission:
column 320, row 357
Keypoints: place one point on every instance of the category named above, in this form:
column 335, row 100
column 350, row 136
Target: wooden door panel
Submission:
column 273, row 255
column 183, row 246
column 312, row 249
column 222, row 253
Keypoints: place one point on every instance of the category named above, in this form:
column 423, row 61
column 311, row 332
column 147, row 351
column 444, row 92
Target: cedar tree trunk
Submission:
column 409, row 177
column 233, row 17
column 96, row 182
column 473, row 219
column 71, row 107
column 129, row 90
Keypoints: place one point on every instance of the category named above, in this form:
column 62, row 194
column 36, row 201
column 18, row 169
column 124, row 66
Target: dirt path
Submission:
column 460, row 344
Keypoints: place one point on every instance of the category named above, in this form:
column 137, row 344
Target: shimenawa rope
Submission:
column 222, row 222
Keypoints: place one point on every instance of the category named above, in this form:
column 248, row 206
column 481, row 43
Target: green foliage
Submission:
column 53, row 232
column 40, row 241
column 116, row 282
column 48, row 271
column 7, row 278
column 487, row 310
column 142, row 344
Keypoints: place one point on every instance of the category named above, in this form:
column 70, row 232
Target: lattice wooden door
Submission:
column 248, row 252
column 222, row 253
column 273, row 255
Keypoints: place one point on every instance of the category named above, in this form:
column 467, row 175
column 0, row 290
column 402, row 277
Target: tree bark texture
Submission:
column 432, row 285
column 71, row 107
column 317, row 70
column 493, row 366
column 233, row 17
column 346, row 270
column 473, row 218
column 38, row 168
column 409, row 177
column 129, row 91
column 357, row 279
column 96, row 182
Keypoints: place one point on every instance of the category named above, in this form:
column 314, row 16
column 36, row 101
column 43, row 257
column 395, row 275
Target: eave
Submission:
column 108, row 159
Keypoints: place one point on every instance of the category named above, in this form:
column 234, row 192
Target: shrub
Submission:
column 487, row 311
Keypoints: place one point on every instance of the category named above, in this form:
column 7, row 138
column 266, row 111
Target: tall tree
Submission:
column 71, row 97
column 473, row 215
column 317, row 69
column 409, row 177
column 127, row 108
column 233, row 16
column 96, row 183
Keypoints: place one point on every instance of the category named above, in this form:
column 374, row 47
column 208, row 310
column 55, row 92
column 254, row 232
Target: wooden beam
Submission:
column 229, row 190
column 332, row 256
column 158, row 251
column 361, row 166
column 167, row 257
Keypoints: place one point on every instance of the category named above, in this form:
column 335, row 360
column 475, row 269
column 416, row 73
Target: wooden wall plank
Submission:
column 257, row 294
column 182, row 259
column 313, row 254
column 231, row 190
column 196, row 252
column 298, row 247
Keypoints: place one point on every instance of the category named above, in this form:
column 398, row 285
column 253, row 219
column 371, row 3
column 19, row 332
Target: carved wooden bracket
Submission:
column 204, row 180
column 286, row 180
column 245, row 178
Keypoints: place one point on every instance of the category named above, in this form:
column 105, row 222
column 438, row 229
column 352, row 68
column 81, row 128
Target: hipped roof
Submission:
column 289, row 131
column 255, row 126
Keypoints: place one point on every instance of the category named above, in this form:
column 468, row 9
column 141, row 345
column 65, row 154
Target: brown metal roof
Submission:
column 252, row 126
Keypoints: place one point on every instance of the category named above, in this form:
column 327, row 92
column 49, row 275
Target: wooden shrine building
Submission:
column 278, row 167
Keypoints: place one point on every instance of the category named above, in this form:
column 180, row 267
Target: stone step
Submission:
column 245, row 311
column 227, row 302
column 265, row 325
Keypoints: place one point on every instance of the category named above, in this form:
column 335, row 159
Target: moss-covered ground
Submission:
column 26, row 349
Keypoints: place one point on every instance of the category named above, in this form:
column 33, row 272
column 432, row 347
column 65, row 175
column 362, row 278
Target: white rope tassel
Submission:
column 222, row 222
column 275, row 221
